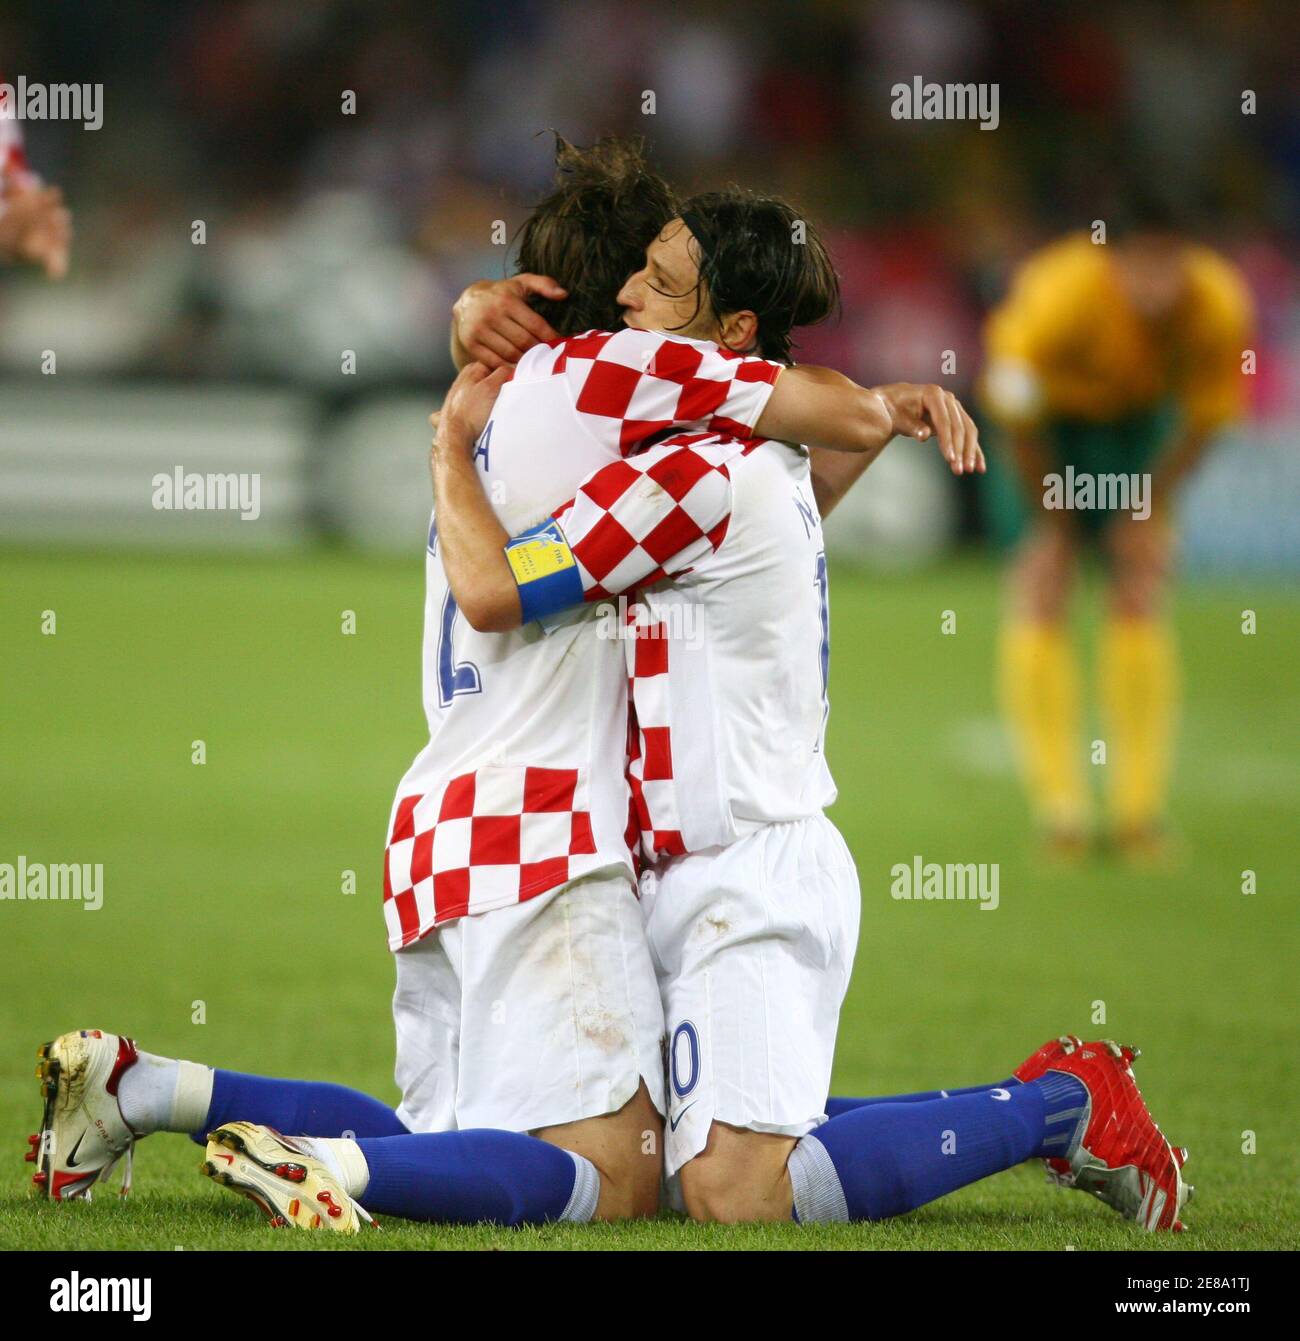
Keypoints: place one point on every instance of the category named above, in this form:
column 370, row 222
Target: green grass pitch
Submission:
column 222, row 883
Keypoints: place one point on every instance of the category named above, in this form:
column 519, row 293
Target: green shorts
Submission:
column 1121, row 447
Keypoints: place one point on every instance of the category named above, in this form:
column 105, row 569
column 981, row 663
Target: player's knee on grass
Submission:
column 740, row 1176
column 1043, row 572
column 627, row 1149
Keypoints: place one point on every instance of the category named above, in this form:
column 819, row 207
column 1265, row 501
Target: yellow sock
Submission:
column 1040, row 696
column 1138, row 681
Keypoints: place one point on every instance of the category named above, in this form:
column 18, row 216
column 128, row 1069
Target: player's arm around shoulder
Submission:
column 823, row 408
column 471, row 541
column 499, row 582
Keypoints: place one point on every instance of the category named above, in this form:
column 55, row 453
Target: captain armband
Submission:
column 544, row 570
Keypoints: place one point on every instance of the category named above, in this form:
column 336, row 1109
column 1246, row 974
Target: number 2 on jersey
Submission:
column 453, row 677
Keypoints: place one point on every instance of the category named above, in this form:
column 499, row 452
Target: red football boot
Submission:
column 1123, row 1157
column 1045, row 1057
column 1039, row 1064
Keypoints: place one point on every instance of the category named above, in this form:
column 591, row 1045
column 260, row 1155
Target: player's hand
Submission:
column 468, row 406
column 494, row 324
column 923, row 411
column 36, row 228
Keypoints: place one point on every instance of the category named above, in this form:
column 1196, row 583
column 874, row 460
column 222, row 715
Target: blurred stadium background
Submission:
column 328, row 233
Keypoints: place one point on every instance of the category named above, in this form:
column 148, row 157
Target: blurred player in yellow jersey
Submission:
column 1109, row 368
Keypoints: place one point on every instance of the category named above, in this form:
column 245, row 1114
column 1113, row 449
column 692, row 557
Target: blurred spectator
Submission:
column 328, row 231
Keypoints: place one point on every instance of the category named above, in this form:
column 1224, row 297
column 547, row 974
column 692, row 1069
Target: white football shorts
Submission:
column 530, row 1016
column 753, row 944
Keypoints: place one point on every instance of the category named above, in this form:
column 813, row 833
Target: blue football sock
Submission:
column 886, row 1159
column 296, row 1107
column 838, row 1104
column 471, row 1177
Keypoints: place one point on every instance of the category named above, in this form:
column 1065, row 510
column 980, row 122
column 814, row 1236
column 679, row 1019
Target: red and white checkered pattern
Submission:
column 635, row 522
column 490, row 838
column 650, row 747
column 632, row 386
column 570, row 410
column 13, row 161
column 725, row 668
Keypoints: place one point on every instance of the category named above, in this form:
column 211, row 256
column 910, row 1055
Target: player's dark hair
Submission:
column 758, row 253
column 592, row 231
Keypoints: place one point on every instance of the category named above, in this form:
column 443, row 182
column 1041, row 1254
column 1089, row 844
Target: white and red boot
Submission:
column 83, row 1133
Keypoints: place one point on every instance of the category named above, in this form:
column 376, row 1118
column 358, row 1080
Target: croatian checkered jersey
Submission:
column 727, row 632
column 729, row 670
column 523, row 783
